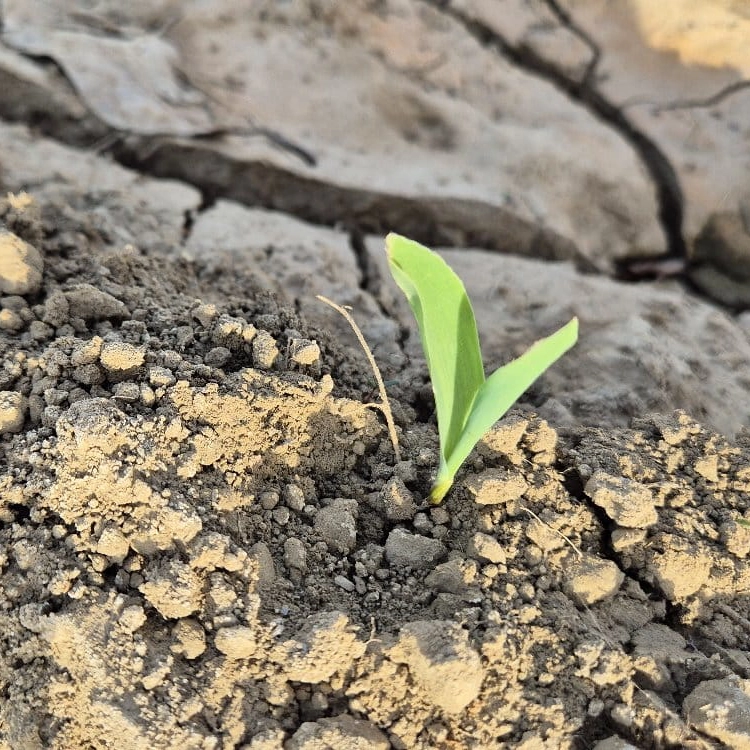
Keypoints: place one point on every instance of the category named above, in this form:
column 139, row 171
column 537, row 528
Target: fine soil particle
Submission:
column 204, row 544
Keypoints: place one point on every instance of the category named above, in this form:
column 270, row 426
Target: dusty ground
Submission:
column 205, row 540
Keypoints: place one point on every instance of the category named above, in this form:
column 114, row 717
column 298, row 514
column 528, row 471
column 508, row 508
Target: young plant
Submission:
column 467, row 404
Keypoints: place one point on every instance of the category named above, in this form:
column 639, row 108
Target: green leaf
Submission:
column 447, row 329
column 499, row 392
column 467, row 405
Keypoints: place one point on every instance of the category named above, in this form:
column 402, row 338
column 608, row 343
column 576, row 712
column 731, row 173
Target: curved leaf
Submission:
column 498, row 393
column 448, row 331
column 467, row 404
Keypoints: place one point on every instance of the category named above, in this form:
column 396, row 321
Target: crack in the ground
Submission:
column 574, row 485
column 272, row 136
column 432, row 220
column 570, row 23
column 662, row 173
column 436, row 221
column 709, row 101
column 188, row 222
column 371, row 280
column 191, row 215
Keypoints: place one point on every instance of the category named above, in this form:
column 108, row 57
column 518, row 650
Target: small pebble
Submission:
column 10, row 321
column 77, row 394
column 148, row 397
column 265, row 351
column 190, row 638
column 405, row 471
column 337, row 526
column 88, row 375
column 183, row 336
column 13, row 407
column 405, row 549
column 236, row 642
column 485, row 548
column 128, row 392
column 50, row 416
column 344, row 583
column 171, row 359
column 21, row 265
column 422, row 523
column 269, row 500
column 160, row 376
column 205, row 314
column 440, row 515
column 398, row 501
column 218, row 356
column 40, row 331
column 120, row 359
column 87, row 352
column 55, row 396
column 294, row 497
column 295, row 554
column 89, row 303
column 304, row 352
column 56, row 309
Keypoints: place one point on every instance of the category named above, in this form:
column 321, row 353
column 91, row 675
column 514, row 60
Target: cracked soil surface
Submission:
column 205, row 539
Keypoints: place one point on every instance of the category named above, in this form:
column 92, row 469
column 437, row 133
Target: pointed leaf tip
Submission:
column 390, row 240
column 447, row 329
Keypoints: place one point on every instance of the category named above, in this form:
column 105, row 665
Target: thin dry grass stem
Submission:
column 385, row 405
column 556, row 531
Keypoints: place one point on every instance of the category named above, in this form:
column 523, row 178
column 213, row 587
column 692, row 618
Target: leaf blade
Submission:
column 447, row 329
column 498, row 393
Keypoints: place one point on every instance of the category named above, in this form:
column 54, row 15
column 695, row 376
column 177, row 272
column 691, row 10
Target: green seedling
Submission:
column 467, row 403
